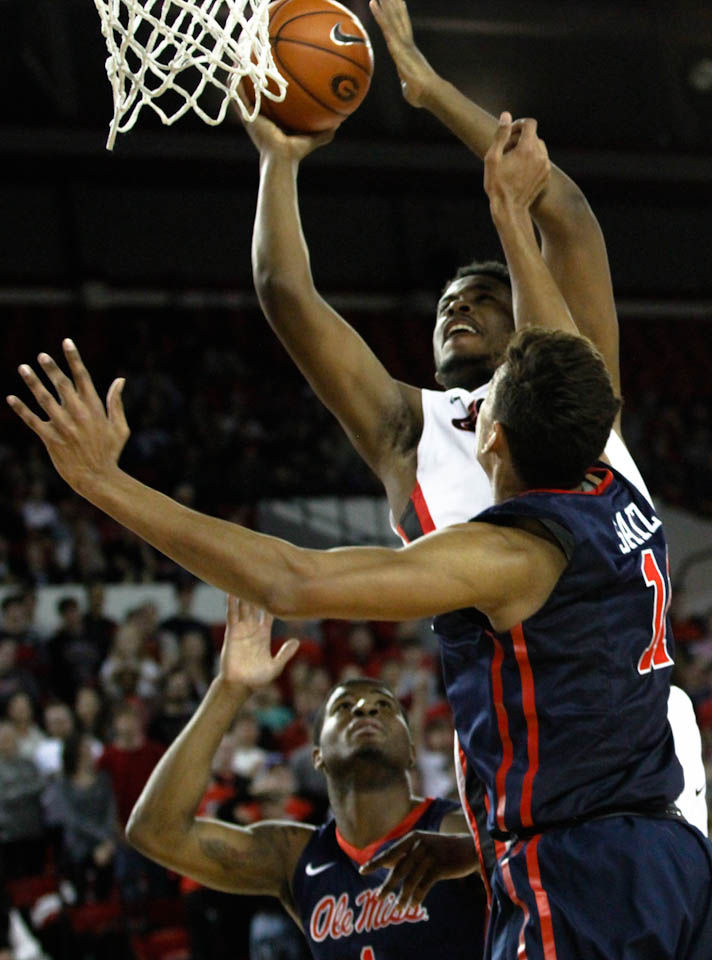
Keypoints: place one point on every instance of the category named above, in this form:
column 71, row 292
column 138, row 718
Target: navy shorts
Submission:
column 620, row 888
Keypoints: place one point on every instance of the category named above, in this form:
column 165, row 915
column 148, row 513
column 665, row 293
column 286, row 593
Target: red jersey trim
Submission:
column 503, row 727
column 362, row 854
column 530, row 718
column 422, row 510
column 541, row 899
column 517, row 900
column 461, row 772
column 596, row 492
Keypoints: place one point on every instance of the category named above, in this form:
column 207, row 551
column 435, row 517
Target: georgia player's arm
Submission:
column 382, row 416
column 259, row 859
column 572, row 241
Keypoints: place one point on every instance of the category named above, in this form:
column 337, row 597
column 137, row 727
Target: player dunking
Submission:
column 363, row 746
column 420, row 442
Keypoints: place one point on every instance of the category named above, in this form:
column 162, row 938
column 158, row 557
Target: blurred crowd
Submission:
column 86, row 712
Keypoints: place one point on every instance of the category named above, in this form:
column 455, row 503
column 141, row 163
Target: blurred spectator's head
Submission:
column 194, row 649
column 88, row 707
column 145, row 619
column 184, row 592
column 390, row 671
column 439, row 728
column 77, row 754
column 95, row 598
column 70, row 613
column 361, row 641
column 245, row 730
column 128, row 642
column 58, row 720
column 128, row 729
column 8, row 655
column 14, row 613
column 20, row 710
column 8, row 740
column 176, row 688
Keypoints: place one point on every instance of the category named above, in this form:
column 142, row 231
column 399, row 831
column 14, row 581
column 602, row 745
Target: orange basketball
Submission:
column 323, row 52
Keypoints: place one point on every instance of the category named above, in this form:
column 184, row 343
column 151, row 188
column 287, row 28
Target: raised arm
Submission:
column 259, row 859
column 506, row 573
column 381, row 416
column 572, row 242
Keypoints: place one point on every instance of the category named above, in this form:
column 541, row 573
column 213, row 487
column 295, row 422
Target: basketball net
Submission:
column 180, row 48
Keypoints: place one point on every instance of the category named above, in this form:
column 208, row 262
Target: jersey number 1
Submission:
column 656, row 654
column 368, row 954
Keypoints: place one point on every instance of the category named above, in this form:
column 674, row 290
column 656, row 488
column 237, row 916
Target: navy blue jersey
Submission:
column 342, row 919
column 565, row 715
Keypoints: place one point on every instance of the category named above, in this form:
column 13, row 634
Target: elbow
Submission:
column 279, row 290
column 138, row 829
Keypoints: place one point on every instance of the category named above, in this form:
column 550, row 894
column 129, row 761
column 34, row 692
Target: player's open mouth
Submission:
column 457, row 327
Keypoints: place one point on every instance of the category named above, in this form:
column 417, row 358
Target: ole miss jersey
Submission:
column 343, row 920
column 565, row 715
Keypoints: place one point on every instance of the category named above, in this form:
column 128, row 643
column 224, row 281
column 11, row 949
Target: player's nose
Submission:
column 458, row 306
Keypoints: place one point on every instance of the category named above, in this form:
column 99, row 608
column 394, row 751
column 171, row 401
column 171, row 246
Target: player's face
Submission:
column 473, row 325
column 364, row 719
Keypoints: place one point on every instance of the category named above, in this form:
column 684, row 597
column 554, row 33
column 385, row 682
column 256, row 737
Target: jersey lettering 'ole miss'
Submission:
column 565, row 715
column 343, row 920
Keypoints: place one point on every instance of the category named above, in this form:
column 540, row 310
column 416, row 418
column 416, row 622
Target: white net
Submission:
column 189, row 55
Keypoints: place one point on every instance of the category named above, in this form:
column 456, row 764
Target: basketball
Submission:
column 323, row 52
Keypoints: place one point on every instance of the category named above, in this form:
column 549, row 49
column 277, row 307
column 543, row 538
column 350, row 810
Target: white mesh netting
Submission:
column 180, row 51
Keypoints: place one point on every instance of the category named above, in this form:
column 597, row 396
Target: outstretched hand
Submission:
column 420, row 860
column 271, row 139
column 517, row 166
column 83, row 438
column 413, row 69
column 246, row 658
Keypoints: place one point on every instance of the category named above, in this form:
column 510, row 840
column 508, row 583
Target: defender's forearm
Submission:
column 536, row 297
column 171, row 797
column 232, row 558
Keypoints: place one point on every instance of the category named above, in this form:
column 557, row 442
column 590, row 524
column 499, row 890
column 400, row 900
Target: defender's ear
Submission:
column 317, row 758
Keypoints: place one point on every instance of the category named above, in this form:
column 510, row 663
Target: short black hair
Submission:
column 318, row 722
column 556, row 403
column 490, row 268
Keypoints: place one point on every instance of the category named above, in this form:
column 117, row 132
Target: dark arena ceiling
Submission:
column 622, row 92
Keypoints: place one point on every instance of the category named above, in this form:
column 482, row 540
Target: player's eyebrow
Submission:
column 349, row 694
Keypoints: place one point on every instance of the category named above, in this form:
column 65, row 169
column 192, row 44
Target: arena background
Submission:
column 142, row 255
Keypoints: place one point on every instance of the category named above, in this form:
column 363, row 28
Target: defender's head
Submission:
column 473, row 324
column 550, row 409
column 361, row 725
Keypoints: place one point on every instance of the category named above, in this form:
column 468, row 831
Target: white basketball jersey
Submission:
column 451, row 485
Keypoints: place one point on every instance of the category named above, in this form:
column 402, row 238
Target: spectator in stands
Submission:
column 173, row 628
column 176, row 706
column 98, row 628
column 306, row 700
column 196, row 660
column 82, row 803
column 58, row 722
column 128, row 653
column 91, row 711
column 20, row 712
column 74, row 659
column 22, row 833
column 13, row 678
column 129, row 760
column 247, row 756
column 434, row 758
